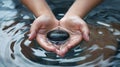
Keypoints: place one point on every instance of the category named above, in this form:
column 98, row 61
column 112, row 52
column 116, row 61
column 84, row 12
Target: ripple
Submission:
column 17, row 51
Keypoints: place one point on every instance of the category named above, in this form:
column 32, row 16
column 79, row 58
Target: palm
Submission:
column 74, row 26
column 39, row 29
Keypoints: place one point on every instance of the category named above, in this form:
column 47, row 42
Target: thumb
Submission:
column 34, row 29
column 85, row 31
column 32, row 35
column 86, row 36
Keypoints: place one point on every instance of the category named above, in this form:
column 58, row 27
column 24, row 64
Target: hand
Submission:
column 77, row 28
column 39, row 30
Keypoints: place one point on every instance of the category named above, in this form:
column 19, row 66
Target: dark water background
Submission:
column 103, row 49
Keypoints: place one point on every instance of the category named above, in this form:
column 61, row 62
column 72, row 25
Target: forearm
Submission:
column 82, row 7
column 38, row 7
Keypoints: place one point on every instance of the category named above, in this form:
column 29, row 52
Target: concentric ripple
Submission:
column 16, row 50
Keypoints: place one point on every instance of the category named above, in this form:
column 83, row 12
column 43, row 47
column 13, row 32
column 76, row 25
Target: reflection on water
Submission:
column 17, row 51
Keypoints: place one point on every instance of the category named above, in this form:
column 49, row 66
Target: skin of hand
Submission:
column 44, row 22
column 39, row 30
column 78, row 30
column 75, row 25
column 72, row 22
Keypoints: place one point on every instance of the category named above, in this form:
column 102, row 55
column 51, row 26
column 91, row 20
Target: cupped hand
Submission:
column 78, row 30
column 39, row 30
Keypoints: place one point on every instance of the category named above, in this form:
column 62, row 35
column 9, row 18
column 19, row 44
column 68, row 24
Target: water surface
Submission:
column 102, row 50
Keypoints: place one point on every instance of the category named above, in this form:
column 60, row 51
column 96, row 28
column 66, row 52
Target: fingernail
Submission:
column 87, row 37
column 32, row 35
column 29, row 36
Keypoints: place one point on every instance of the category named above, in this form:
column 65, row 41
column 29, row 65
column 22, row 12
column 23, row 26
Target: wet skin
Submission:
column 42, row 25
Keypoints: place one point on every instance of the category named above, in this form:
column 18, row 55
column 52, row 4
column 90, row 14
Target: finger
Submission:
column 44, row 43
column 74, row 40
column 32, row 35
column 34, row 28
column 86, row 36
column 63, row 51
column 85, row 31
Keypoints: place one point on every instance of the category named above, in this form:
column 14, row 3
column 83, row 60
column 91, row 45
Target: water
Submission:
column 103, row 49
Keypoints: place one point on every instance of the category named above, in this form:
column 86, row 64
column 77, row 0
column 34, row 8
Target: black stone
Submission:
column 57, row 35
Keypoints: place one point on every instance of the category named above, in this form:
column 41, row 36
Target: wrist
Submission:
column 46, row 17
column 44, row 12
column 74, row 14
column 70, row 16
